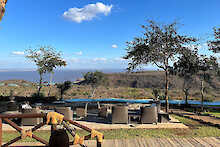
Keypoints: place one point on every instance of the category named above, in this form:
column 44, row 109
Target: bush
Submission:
column 63, row 87
column 36, row 95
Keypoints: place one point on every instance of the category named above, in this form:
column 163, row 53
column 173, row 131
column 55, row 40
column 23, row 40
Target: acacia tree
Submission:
column 191, row 64
column 94, row 79
column 46, row 60
column 214, row 45
column 206, row 64
column 159, row 46
column 63, row 87
column 186, row 68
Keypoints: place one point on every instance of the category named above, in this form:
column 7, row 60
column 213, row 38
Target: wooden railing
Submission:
column 7, row 118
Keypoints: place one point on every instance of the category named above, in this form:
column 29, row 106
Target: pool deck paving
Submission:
column 174, row 123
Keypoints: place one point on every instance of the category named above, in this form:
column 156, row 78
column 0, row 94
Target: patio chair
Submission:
column 120, row 115
column 149, row 115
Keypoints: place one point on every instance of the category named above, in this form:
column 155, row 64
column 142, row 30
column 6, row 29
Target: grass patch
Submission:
column 196, row 130
column 215, row 113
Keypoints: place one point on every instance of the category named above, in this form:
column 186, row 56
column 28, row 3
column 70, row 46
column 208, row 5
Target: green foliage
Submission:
column 159, row 46
column 73, row 94
column 214, row 45
column 156, row 93
column 46, row 60
column 85, row 93
column 95, row 78
column 38, row 95
column 63, row 87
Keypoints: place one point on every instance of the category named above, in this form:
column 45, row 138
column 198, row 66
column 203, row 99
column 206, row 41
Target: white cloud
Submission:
column 79, row 53
column 88, row 12
column 119, row 59
column 73, row 60
column 100, row 59
column 114, row 46
column 18, row 53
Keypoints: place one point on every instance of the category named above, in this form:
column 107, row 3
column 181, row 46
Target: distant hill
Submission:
column 156, row 79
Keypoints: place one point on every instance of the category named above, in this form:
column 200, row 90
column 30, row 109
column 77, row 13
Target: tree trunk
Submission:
column 202, row 93
column 93, row 93
column 61, row 95
column 166, row 91
column 40, row 85
column 186, row 91
column 51, row 77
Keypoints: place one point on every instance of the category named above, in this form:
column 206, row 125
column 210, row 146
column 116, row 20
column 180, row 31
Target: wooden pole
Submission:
column 78, row 125
column 14, row 125
column 35, row 115
column 0, row 132
column 12, row 141
column 38, row 126
column 53, row 128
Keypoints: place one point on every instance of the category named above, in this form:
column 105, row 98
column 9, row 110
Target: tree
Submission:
column 214, row 45
column 2, row 8
column 156, row 94
column 186, row 67
column 206, row 64
column 94, row 79
column 46, row 60
column 63, row 87
column 159, row 46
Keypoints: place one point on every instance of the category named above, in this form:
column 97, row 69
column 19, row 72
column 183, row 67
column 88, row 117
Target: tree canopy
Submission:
column 46, row 59
column 160, row 45
column 94, row 78
column 214, row 45
column 63, row 87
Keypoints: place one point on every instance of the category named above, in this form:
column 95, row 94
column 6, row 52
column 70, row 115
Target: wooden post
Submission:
column 99, row 144
column 0, row 131
column 53, row 128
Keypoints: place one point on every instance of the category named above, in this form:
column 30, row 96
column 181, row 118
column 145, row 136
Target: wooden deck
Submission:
column 152, row 142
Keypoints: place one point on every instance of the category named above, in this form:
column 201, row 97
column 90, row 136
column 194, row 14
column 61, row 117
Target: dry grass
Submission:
column 84, row 91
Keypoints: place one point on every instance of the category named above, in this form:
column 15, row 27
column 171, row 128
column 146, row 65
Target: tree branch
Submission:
column 159, row 65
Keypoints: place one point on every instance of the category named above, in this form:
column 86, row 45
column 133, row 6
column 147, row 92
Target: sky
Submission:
column 92, row 34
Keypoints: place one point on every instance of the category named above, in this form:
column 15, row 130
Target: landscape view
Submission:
column 109, row 73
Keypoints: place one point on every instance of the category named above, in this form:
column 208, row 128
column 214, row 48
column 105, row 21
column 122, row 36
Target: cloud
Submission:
column 18, row 53
column 99, row 59
column 87, row 13
column 114, row 46
column 119, row 60
column 79, row 53
column 74, row 60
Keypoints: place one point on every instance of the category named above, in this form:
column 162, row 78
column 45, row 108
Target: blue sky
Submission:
column 92, row 33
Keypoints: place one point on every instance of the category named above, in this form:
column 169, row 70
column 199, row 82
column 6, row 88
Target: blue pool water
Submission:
column 140, row 101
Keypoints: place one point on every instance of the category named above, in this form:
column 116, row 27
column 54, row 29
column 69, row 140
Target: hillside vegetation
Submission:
column 155, row 80
column 137, row 85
